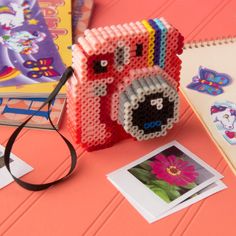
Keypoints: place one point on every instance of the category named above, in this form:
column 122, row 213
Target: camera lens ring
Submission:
column 153, row 112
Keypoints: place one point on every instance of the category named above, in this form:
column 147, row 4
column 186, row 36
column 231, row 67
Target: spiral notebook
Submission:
column 208, row 81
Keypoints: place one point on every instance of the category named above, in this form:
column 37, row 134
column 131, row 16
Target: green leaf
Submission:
column 160, row 192
column 143, row 175
column 171, row 190
column 173, row 194
column 190, row 186
column 146, row 165
column 163, row 184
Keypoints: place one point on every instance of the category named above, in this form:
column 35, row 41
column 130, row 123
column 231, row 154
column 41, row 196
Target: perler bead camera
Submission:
column 125, row 83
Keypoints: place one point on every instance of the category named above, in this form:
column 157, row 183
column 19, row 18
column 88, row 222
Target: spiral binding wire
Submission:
column 210, row 42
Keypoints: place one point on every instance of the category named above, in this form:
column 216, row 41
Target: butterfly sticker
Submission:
column 209, row 81
column 41, row 67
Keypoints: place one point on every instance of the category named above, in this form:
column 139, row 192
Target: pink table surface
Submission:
column 88, row 204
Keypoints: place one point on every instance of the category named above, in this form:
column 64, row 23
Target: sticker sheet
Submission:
column 208, row 82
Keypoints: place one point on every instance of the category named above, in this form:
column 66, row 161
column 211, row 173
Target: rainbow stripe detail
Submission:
column 157, row 42
column 7, row 73
column 151, row 43
column 6, row 10
column 162, row 42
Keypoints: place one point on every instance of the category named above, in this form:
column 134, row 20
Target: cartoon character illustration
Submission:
column 14, row 15
column 23, row 42
column 8, row 72
column 41, row 67
column 209, row 81
column 224, row 115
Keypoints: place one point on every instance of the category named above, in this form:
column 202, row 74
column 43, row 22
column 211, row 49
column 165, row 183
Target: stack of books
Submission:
column 33, row 35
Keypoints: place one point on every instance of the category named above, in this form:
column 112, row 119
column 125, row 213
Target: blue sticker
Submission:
column 209, row 81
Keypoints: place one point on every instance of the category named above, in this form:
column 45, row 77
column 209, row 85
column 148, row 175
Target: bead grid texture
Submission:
column 125, row 83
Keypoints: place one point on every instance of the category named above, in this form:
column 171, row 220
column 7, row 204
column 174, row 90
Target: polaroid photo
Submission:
column 206, row 192
column 164, row 178
column 18, row 167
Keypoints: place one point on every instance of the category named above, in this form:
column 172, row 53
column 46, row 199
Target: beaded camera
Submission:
column 125, row 83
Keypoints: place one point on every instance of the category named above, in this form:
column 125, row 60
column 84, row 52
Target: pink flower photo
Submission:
column 170, row 173
column 173, row 170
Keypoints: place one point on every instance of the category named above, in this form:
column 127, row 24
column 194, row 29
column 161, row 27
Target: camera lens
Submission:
column 152, row 106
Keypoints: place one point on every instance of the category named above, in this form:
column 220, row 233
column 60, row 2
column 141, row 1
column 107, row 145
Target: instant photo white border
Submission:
column 142, row 195
column 18, row 168
column 142, row 211
column 150, row 218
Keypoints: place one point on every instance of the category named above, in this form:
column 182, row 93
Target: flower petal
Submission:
column 185, row 172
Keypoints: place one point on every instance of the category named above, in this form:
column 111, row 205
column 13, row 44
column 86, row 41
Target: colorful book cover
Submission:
column 13, row 111
column 57, row 14
column 81, row 13
column 53, row 11
column 29, row 54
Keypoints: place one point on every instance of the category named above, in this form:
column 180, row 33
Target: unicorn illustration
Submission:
column 14, row 15
column 224, row 115
column 23, row 42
